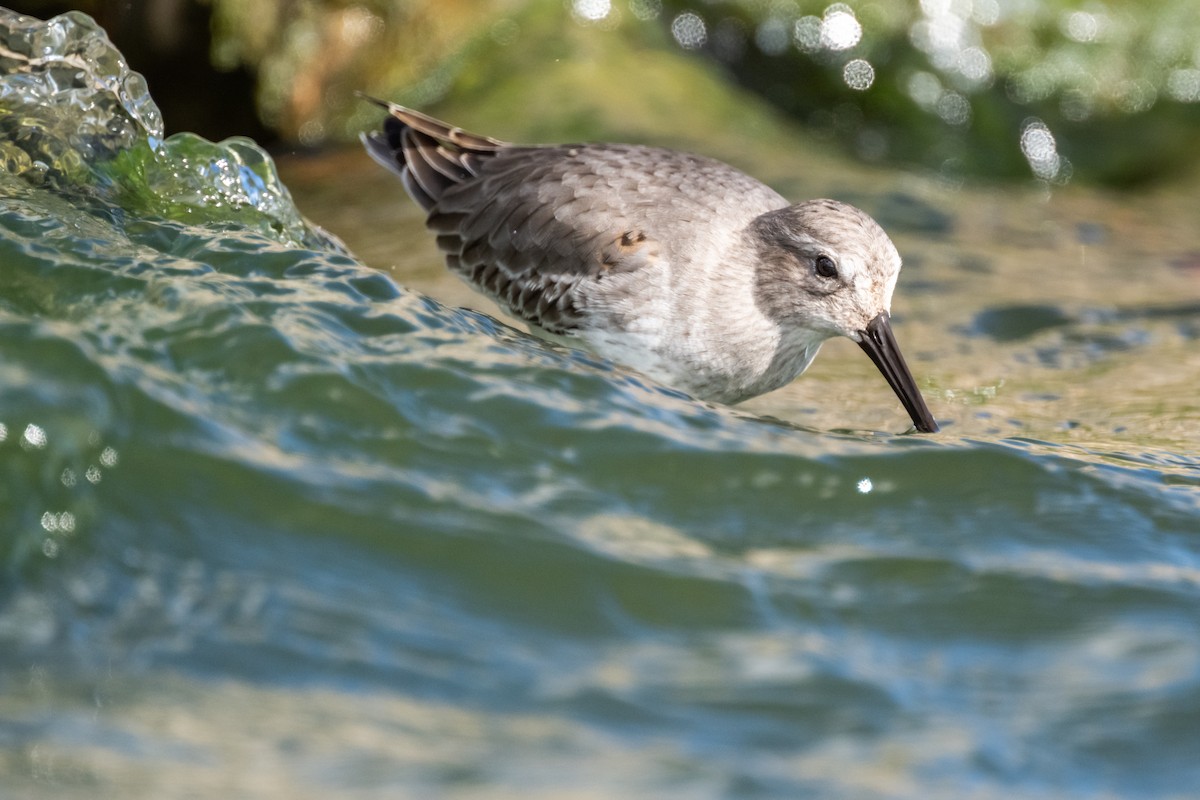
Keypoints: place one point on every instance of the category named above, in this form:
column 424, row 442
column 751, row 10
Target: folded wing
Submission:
column 527, row 226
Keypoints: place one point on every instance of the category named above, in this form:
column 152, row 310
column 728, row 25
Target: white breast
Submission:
column 699, row 329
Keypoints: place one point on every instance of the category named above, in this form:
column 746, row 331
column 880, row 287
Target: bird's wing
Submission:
column 537, row 228
column 428, row 155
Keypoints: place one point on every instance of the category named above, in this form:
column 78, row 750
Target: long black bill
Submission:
column 881, row 346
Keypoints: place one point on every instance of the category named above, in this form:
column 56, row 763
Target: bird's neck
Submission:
column 754, row 353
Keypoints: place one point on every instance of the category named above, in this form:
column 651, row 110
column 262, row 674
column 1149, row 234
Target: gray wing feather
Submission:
column 536, row 227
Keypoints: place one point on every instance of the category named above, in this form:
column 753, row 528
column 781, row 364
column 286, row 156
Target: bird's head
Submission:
column 827, row 268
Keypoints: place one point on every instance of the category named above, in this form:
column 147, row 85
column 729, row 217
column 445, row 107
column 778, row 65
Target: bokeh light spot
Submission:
column 34, row 437
column 591, row 10
column 858, row 74
column 772, row 36
column 840, row 29
column 1077, row 105
column 311, row 133
column 925, row 89
column 985, row 12
column 1081, row 26
column 1040, row 149
column 953, row 108
column 62, row 522
column 108, row 457
column 1135, row 97
column 645, row 9
column 359, row 26
column 806, row 34
column 689, row 31
column 1184, row 85
column 975, row 65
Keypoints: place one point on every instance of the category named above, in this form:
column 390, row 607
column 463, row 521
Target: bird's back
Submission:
column 538, row 227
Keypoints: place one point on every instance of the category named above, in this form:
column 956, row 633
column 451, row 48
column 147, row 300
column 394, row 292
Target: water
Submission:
column 275, row 525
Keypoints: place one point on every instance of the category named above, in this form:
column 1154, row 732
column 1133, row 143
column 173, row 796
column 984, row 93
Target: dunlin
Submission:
column 679, row 266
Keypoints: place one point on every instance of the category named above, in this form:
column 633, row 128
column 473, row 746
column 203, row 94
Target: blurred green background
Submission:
column 1053, row 90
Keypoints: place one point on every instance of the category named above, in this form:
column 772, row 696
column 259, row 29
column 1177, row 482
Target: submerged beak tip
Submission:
column 880, row 345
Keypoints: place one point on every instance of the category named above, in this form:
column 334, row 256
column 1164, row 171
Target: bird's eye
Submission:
column 825, row 266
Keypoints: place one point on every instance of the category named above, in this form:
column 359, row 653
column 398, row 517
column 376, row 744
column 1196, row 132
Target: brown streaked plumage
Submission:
column 677, row 265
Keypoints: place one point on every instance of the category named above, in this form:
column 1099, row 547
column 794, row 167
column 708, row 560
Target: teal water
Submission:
column 273, row 525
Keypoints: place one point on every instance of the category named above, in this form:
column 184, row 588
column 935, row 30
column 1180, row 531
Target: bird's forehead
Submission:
column 846, row 227
column 851, row 234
